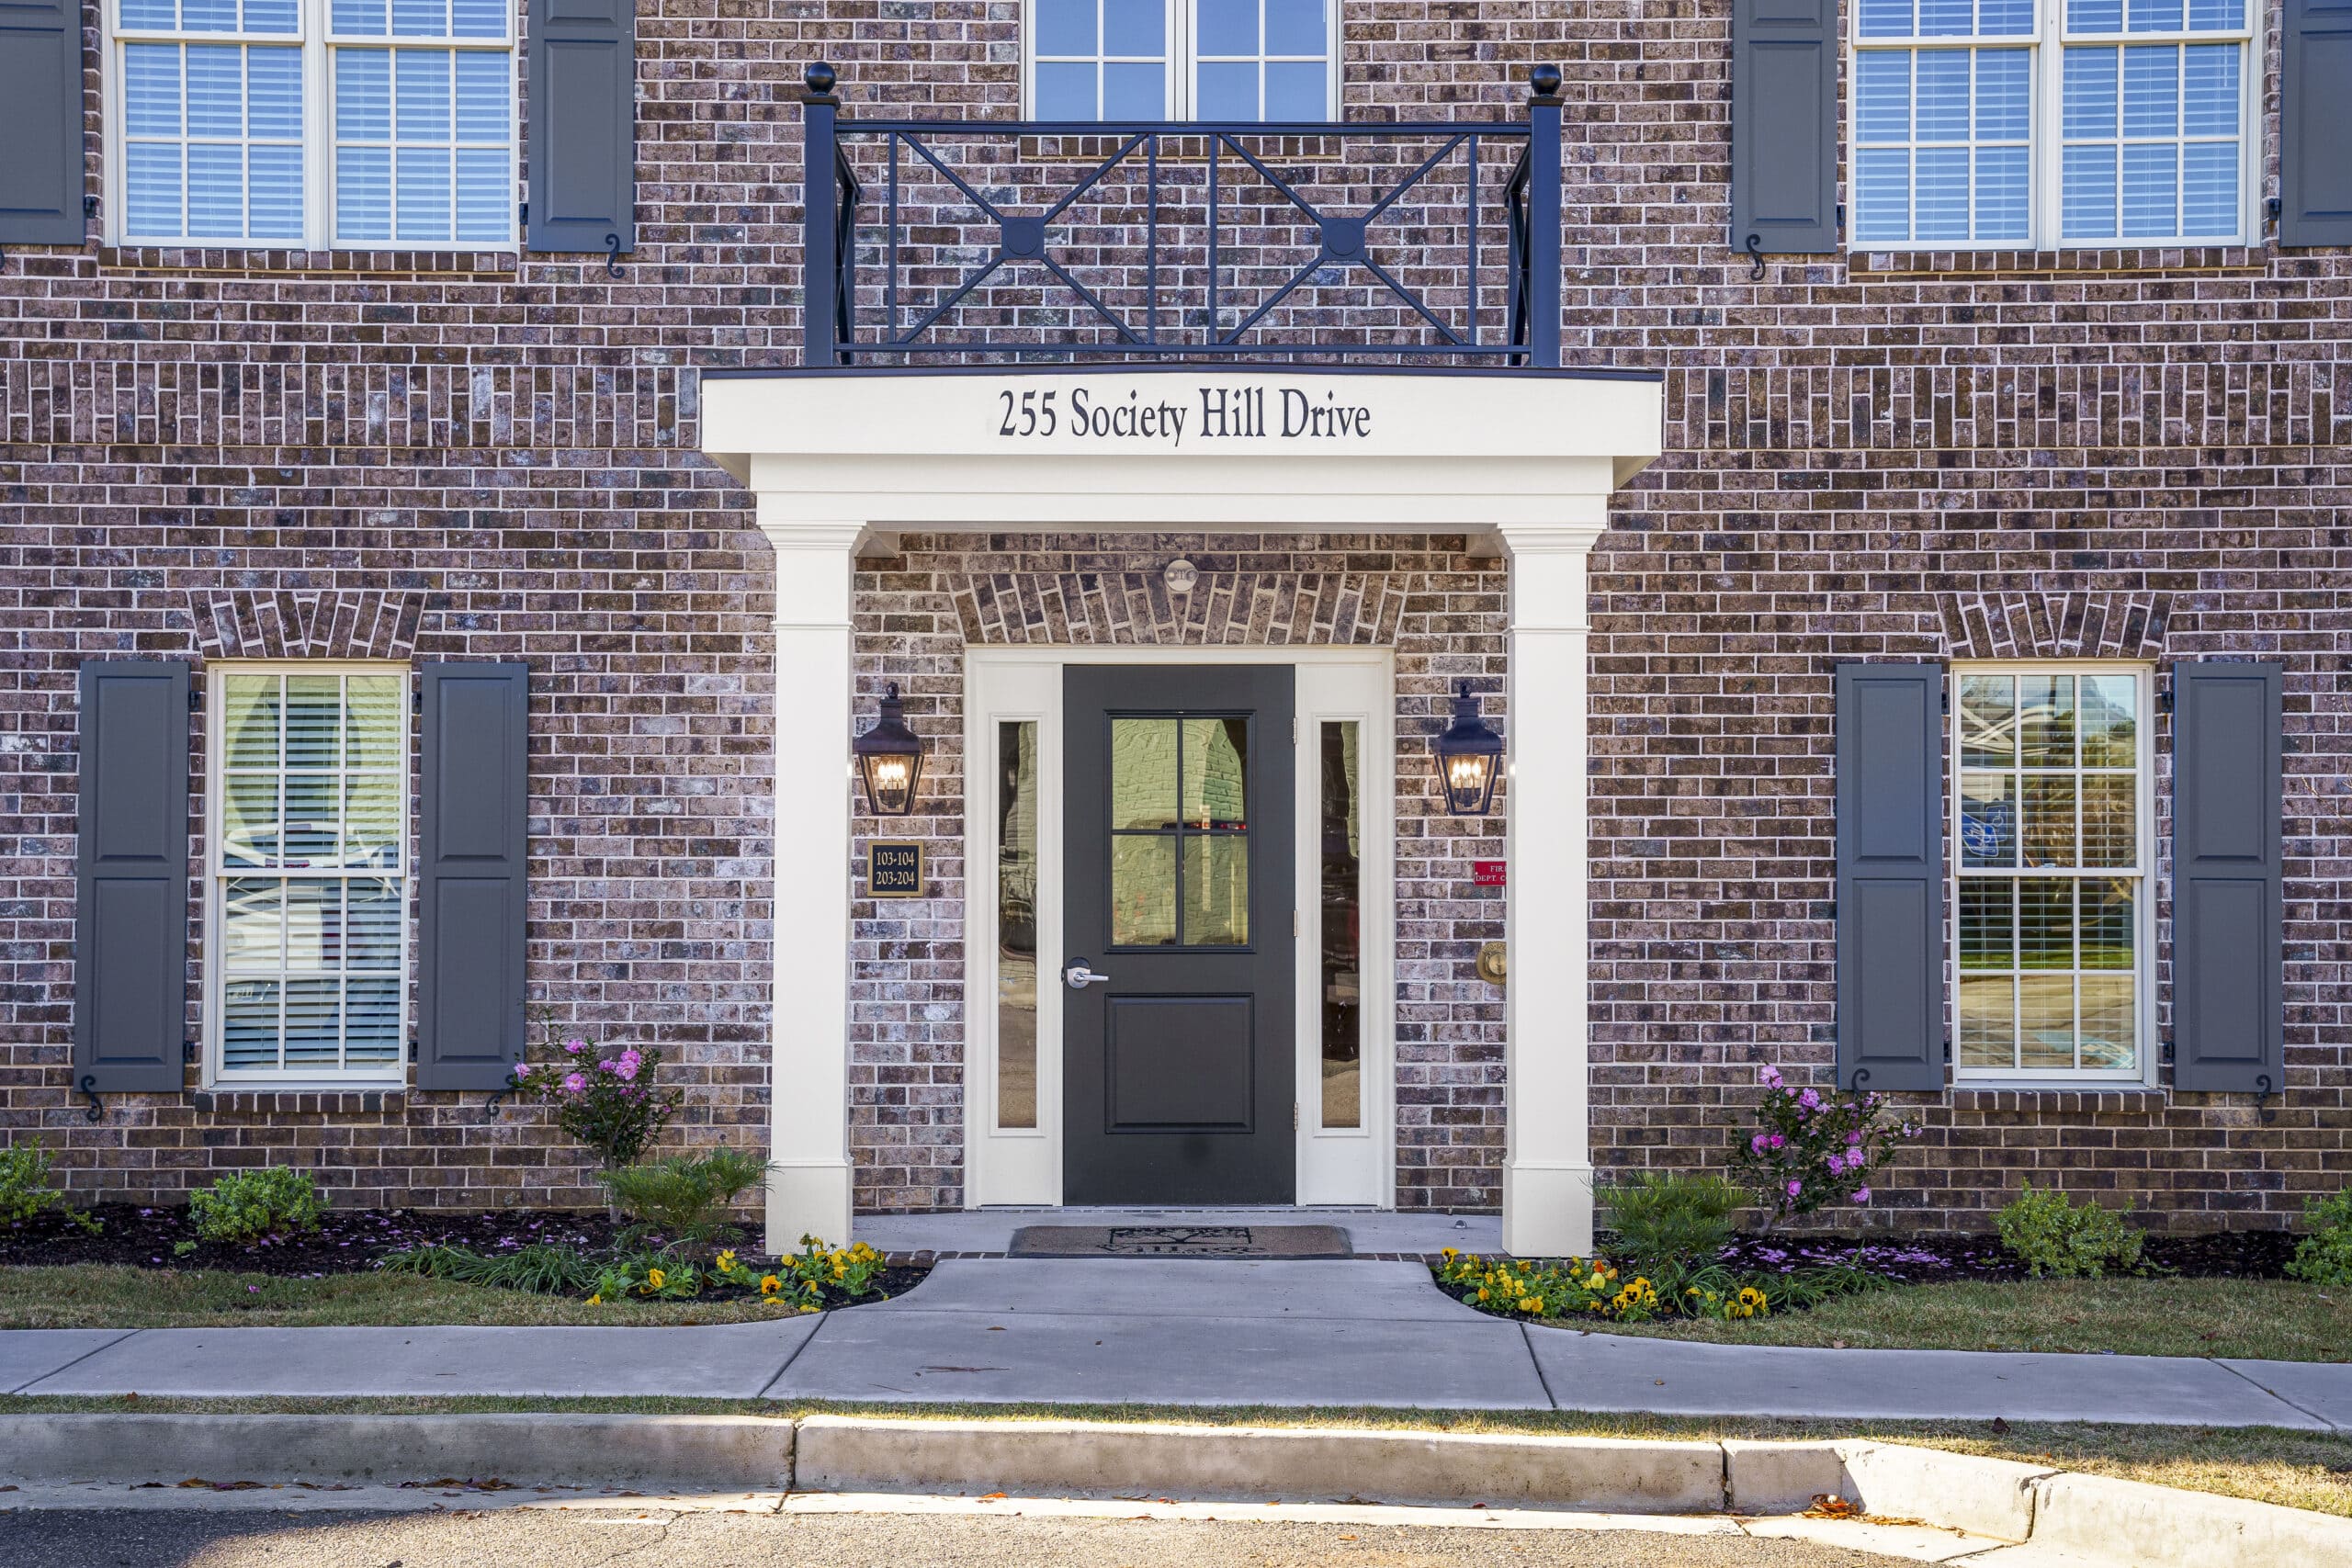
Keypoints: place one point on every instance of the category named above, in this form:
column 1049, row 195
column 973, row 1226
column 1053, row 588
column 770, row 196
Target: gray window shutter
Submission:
column 471, row 895
column 130, row 878
column 583, row 140
column 2315, row 124
column 1784, row 126
column 1891, row 877
column 40, row 122
column 2229, row 910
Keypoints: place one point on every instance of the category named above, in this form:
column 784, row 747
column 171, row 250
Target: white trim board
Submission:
column 1347, row 1165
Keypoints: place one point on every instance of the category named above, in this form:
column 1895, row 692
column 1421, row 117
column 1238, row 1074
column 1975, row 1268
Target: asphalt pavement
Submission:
column 660, row 1539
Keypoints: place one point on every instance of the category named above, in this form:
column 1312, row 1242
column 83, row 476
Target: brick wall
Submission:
column 207, row 453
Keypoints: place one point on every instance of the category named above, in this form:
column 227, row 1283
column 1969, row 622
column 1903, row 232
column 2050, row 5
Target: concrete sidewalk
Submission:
column 1177, row 1332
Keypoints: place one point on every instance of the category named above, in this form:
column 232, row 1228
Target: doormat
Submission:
column 1180, row 1241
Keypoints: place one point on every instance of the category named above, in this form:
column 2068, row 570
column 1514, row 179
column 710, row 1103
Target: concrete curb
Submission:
column 717, row 1452
column 2058, row 1516
column 840, row 1453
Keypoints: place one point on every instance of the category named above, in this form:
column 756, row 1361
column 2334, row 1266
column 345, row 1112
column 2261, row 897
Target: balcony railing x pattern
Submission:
column 939, row 240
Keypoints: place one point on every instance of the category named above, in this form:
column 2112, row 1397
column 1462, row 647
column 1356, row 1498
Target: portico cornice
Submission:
column 1236, row 451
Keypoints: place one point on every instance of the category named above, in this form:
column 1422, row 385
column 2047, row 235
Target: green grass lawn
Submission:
column 2259, row 1319
column 118, row 1296
column 2299, row 1469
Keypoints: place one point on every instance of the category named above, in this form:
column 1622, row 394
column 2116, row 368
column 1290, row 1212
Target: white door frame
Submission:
column 1336, row 1166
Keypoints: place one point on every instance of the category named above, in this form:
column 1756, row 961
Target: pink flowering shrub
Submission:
column 1809, row 1151
column 609, row 1103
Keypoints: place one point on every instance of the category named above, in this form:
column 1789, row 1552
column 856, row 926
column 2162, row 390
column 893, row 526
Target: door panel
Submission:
column 1178, row 1065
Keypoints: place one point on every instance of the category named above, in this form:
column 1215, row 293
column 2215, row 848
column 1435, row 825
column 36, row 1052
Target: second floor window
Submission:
column 314, row 123
column 1215, row 60
column 2049, row 123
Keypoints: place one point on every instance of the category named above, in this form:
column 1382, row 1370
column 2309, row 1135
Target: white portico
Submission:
column 1527, row 458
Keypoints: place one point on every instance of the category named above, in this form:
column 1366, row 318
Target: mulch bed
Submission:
column 348, row 1241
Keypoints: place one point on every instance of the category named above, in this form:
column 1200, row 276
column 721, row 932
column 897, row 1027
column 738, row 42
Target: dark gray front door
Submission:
column 1177, row 1064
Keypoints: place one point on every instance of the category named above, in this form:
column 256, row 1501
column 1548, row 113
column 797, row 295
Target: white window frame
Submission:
column 216, row 1071
column 2145, row 1046
column 318, row 44
column 1182, row 46
column 2046, row 153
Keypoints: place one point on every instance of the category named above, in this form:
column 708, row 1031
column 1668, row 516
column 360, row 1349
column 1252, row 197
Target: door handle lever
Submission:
column 1077, row 974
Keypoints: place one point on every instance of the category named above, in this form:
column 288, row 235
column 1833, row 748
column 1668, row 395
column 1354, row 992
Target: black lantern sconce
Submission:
column 889, row 755
column 1469, row 756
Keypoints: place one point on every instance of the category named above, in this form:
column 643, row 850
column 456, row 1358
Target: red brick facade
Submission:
column 221, row 453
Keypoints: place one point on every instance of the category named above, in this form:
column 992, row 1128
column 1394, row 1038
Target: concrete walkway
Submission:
column 1179, row 1332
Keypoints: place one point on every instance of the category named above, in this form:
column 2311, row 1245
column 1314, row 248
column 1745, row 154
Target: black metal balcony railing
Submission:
column 940, row 239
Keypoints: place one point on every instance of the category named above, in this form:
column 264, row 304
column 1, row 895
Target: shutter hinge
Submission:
column 2163, row 1051
column 526, row 215
column 89, row 207
column 416, row 699
column 2274, row 209
column 1841, row 218
column 1947, row 1050
column 412, row 1048
column 188, row 1053
column 195, row 697
column 2164, row 695
column 1945, row 698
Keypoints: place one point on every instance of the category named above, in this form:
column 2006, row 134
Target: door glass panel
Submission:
column 1216, row 751
column 1016, row 918
column 1143, row 890
column 1180, row 854
column 1216, row 889
column 1143, row 772
column 1342, row 902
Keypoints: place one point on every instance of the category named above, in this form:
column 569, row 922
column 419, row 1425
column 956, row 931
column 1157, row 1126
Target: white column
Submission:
column 809, row 1186
column 1547, row 1165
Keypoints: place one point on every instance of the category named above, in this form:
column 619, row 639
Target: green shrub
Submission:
column 247, row 1205
column 685, row 1198
column 541, row 1267
column 26, row 1191
column 2051, row 1235
column 1659, row 1218
column 2325, row 1257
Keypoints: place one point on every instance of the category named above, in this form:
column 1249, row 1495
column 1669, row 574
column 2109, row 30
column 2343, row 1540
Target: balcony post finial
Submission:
column 1545, row 80
column 819, row 80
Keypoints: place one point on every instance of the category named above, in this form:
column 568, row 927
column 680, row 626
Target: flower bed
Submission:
column 352, row 1241
column 1761, row 1275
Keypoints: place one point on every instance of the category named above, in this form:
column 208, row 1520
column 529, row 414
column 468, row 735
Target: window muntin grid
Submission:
column 358, row 122
column 1216, row 60
column 211, row 119
column 307, row 872
column 2008, row 123
column 2050, row 846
